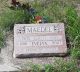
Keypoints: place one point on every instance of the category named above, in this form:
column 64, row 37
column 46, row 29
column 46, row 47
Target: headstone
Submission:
column 38, row 40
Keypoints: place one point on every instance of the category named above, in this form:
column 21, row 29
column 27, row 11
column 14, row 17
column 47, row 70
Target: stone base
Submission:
column 40, row 55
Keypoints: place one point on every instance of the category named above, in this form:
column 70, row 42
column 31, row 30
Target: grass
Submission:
column 73, row 31
column 11, row 17
column 59, row 66
column 54, row 11
column 2, row 38
column 66, row 66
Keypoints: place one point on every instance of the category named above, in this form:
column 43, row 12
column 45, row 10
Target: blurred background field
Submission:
column 66, row 11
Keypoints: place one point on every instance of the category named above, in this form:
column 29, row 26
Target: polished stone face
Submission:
column 32, row 40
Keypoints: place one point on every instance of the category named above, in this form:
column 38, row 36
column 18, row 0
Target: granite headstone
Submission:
column 38, row 40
